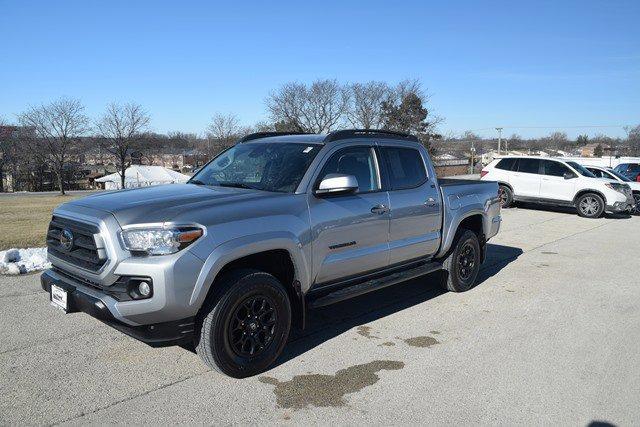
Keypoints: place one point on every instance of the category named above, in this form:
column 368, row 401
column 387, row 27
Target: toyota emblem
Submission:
column 66, row 239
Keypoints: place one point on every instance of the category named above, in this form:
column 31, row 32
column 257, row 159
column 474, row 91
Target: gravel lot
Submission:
column 551, row 335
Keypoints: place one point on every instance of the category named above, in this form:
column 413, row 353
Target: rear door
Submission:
column 525, row 179
column 553, row 185
column 415, row 204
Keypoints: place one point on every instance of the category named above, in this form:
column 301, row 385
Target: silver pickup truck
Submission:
column 278, row 224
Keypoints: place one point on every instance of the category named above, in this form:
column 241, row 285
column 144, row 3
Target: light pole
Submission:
column 499, row 139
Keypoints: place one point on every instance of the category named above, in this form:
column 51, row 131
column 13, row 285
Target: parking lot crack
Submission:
column 127, row 399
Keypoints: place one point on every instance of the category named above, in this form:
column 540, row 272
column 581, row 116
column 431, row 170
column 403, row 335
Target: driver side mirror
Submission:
column 337, row 183
column 569, row 175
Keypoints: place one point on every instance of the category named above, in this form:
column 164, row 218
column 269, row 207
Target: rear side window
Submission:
column 506, row 164
column 552, row 168
column 529, row 165
column 405, row 168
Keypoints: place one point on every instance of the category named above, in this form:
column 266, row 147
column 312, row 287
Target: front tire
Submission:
column 636, row 208
column 462, row 265
column 244, row 330
column 590, row 205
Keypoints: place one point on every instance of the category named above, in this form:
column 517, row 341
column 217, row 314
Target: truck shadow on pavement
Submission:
column 329, row 322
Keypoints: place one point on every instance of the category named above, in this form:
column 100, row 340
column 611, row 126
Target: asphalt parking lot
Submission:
column 550, row 335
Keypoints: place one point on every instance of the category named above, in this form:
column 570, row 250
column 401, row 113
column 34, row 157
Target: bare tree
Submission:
column 224, row 127
column 120, row 130
column 365, row 110
column 633, row 139
column 223, row 130
column 59, row 125
column 315, row 109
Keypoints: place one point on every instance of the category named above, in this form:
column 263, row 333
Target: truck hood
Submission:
column 163, row 202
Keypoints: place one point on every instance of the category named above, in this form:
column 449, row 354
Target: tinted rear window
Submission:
column 529, row 165
column 404, row 166
column 506, row 164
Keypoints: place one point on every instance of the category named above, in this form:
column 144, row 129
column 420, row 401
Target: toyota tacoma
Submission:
column 276, row 225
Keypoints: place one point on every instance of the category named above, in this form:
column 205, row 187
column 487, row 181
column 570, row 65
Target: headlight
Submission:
column 621, row 188
column 160, row 240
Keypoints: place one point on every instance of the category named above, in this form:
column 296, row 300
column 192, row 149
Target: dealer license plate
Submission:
column 59, row 298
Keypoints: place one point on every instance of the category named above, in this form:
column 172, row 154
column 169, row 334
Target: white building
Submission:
column 142, row 176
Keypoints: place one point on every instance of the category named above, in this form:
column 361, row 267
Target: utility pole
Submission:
column 473, row 157
column 499, row 139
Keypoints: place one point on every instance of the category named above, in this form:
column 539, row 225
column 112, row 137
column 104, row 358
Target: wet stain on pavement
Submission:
column 549, row 253
column 387, row 344
column 365, row 331
column 328, row 390
column 434, row 332
column 424, row 342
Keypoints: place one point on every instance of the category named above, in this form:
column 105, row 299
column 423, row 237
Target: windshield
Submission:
column 260, row 166
column 618, row 175
column 581, row 169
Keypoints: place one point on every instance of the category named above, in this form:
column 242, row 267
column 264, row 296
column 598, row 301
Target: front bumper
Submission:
column 619, row 207
column 96, row 303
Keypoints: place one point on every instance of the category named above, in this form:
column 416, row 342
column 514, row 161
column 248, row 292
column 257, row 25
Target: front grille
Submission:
column 83, row 252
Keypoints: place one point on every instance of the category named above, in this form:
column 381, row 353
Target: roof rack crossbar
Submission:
column 258, row 135
column 362, row 133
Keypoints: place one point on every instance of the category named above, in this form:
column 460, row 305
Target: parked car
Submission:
column 230, row 261
column 557, row 182
column 630, row 170
column 611, row 174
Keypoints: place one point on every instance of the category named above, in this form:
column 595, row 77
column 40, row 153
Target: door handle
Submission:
column 431, row 202
column 379, row 209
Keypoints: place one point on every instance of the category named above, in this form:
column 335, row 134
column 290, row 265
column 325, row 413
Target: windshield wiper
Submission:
column 238, row 185
column 196, row 182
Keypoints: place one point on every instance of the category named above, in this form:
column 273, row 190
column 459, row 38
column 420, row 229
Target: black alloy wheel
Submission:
column 252, row 326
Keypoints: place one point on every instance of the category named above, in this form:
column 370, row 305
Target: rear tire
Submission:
column 590, row 205
column 506, row 196
column 244, row 331
column 462, row 265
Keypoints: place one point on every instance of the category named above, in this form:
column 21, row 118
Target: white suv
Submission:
column 557, row 182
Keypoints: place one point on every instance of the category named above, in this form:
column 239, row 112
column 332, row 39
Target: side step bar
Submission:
column 375, row 284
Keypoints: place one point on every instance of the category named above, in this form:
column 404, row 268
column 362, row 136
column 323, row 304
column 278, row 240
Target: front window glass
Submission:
column 552, row 168
column 275, row 167
column 357, row 161
column 581, row 169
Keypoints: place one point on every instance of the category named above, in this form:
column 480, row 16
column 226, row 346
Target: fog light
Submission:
column 144, row 289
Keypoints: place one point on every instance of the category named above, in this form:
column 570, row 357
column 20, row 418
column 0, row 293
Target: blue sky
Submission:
column 512, row 63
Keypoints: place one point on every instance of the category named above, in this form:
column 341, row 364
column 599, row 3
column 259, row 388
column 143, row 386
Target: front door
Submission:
column 553, row 185
column 415, row 205
column 350, row 232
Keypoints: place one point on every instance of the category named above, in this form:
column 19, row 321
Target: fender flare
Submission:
column 244, row 246
column 452, row 229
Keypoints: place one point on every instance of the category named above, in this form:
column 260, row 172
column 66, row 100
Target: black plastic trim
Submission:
column 258, row 135
column 155, row 335
column 368, row 133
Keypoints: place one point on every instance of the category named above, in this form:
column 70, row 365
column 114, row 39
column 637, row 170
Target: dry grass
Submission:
column 24, row 219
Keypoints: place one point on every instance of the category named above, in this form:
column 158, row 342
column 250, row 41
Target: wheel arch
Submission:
column 506, row 184
column 281, row 257
column 589, row 191
column 473, row 220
